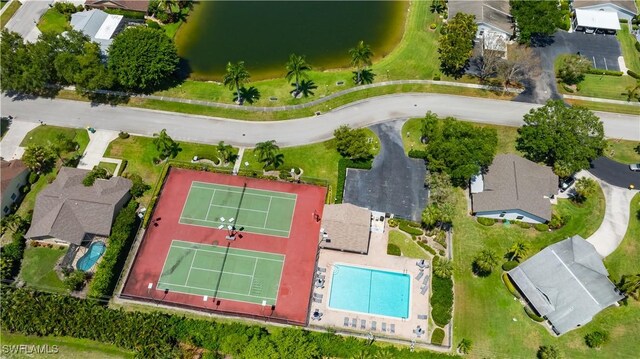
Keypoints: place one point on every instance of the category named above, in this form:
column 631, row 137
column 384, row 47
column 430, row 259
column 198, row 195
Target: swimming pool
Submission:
column 91, row 257
column 370, row 291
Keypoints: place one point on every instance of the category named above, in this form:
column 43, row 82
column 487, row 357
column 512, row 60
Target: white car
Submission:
column 635, row 167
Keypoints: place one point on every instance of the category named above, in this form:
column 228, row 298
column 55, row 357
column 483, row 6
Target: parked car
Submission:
column 635, row 167
column 566, row 183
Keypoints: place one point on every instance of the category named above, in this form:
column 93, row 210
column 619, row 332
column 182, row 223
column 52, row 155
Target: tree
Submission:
column 142, row 58
column 236, row 76
column 630, row 285
column 438, row 6
column 441, row 208
column 486, row 62
column 459, row 149
column 484, row 262
column 360, row 58
column 14, row 222
column 522, row 63
column 75, row 280
column 456, row 45
column 249, row 95
column 39, row 159
column 167, row 6
column 442, row 267
column 464, row 346
column 573, row 68
column 365, row 76
column 561, row 137
column 297, row 68
column 585, row 187
column 596, row 339
column 96, row 173
column 294, row 343
column 518, row 251
column 165, row 144
column 306, row 87
column 226, row 151
column 13, row 57
column 548, row 352
column 535, row 18
column 268, row 154
column 633, row 92
column 353, row 144
column 138, row 186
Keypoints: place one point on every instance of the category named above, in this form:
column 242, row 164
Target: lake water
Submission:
column 264, row 33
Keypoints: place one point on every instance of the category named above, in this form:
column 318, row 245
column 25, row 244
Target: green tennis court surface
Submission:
column 258, row 211
column 222, row 272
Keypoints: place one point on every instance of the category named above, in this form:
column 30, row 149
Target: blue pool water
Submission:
column 91, row 257
column 371, row 291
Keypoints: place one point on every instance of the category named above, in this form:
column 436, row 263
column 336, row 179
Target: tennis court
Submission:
column 258, row 211
column 222, row 272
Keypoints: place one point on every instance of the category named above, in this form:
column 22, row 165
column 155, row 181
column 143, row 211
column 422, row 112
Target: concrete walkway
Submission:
column 24, row 21
column 602, row 100
column 98, row 143
column 10, row 145
column 236, row 165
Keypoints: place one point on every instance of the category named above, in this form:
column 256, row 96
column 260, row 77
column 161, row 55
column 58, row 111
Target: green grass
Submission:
column 627, row 45
column 608, row 107
column 626, row 258
column 407, row 245
column 172, row 28
column 623, row 151
column 46, row 135
column 3, row 3
column 8, row 13
column 37, row 268
column 67, row 347
column 53, row 21
column 29, row 201
column 485, row 310
column 140, row 152
column 110, row 167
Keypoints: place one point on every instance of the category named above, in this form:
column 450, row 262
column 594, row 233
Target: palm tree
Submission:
column 360, row 58
column 268, row 154
column 484, row 262
column 632, row 92
column 226, row 151
column 442, row 268
column 165, row 144
column 384, row 353
column 306, row 88
column 366, row 76
column 464, row 346
column 297, row 68
column 250, row 94
column 167, row 6
column 518, row 250
column 235, row 77
column 630, row 284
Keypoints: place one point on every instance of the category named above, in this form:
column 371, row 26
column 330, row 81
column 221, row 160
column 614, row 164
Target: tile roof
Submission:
column 512, row 182
column 567, row 283
column 10, row 170
column 494, row 13
column 68, row 210
column 347, row 226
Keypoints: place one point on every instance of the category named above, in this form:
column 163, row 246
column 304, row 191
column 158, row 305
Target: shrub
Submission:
column 486, row 221
column 441, row 238
column 283, row 174
column 507, row 266
column 33, row 177
column 548, row 352
column 573, row 68
column 421, row 154
column 126, row 13
column 437, row 337
column 464, row 346
column 426, row 247
column 11, row 257
column 123, row 135
column 605, row 72
column 623, row 21
column 138, row 187
column 596, row 339
column 405, row 227
column 524, row 225
column 441, row 300
column 152, row 24
column 66, row 9
column 567, row 88
column 393, row 250
column 436, row 77
column 392, row 222
column 633, row 74
column 123, row 166
column 637, row 45
column 541, row 227
column 533, row 315
column 432, row 26
column 75, row 280
column 96, row 172
column 557, row 221
column 509, row 284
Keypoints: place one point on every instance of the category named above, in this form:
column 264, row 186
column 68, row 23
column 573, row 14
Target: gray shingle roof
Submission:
column 68, row 210
column 90, row 22
column 566, row 283
column 494, row 13
column 347, row 226
column 628, row 5
column 135, row 5
column 512, row 182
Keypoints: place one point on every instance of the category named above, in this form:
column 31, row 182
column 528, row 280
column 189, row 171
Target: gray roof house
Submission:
column 67, row 211
column 566, row 283
column 491, row 15
column 515, row 188
column 625, row 9
column 98, row 25
column 346, row 228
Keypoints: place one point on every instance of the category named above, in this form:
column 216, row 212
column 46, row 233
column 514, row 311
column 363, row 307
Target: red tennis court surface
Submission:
column 300, row 249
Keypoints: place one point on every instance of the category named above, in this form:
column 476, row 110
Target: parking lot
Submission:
column 602, row 50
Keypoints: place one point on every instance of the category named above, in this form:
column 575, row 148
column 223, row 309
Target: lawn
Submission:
column 47, row 135
column 608, row 107
column 29, row 201
column 140, row 152
column 407, row 245
column 8, row 13
column 37, row 268
column 53, row 21
column 627, row 45
column 623, row 151
column 626, row 259
column 110, row 167
column 67, row 347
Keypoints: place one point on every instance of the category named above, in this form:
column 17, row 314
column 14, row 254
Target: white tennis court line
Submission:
column 232, row 207
column 214, row 246
column 249, row 193
column 237, row 224
column 215, row 270
column 210, row 200
column 264, row 225
column 253, row 276
column 160, row 284
column 240, row 189
column 229, row 254
column 191, row 266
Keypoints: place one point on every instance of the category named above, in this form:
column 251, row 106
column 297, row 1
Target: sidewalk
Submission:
column 10, row 145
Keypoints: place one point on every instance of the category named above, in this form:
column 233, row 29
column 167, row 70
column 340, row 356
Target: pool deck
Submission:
column 378, row 259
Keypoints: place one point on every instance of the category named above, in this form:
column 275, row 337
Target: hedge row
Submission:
column 441, row 300
column 11, row 257
column 437, row 337
column 486, row 221
column 126, row 13
column 507, row 266
column 541, row 227
column 343, row 164
column 605, row 72
column 633, row 74
column 421, row 154
column 406, row 227
column 122, row 235
column 393, row 250
column 510, row 286
column 533, row 315
column 159, row 335
column 426, row 247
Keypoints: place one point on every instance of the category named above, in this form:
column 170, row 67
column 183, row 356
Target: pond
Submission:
column 264, row 33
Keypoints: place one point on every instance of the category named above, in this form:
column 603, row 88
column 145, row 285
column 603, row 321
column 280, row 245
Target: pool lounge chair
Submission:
column 354, row 321
column 317, row 300
column 322, row 270
column 423, row 316
column 384, row 327
column 425, row 281
column 392, row 328
column 317, row 295
column 420, row 274
column 346, row 321
column 363, row 324
column 320, row 276
column 373, row 325
column 424, row 289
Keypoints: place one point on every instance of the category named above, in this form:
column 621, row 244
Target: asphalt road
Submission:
column 395, row 183
column 290, row 132
column 614, row 173
column 25, row 19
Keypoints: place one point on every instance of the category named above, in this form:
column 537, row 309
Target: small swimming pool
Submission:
column 370, row 291
column 90, row 258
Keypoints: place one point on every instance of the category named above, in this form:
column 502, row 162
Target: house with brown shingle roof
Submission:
column 132, row 5
column 515, row 188
column 68, row 212
column 346, row 227
column 14, row 175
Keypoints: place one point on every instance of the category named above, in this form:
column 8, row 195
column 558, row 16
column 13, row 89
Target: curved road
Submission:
column 289, row 132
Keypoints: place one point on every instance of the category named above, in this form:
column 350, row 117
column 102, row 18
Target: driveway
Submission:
column 395, row 183
column 25, row 19
column 615, row 173
column 602, row 50
column 98, row 143
column 10, row 145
